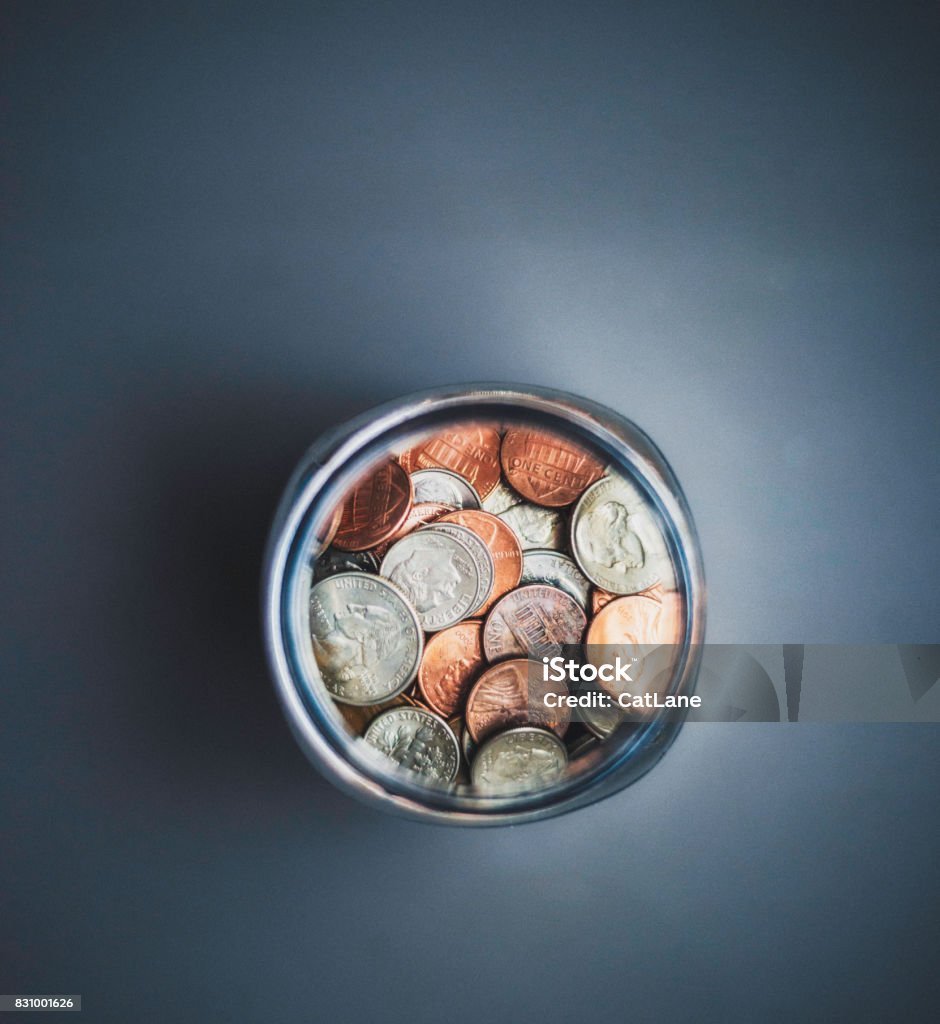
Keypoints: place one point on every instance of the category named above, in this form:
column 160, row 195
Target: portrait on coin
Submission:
column 428, row 577
column 441, row 490
column 608, row 537
column 536, row 525
column 357, row 640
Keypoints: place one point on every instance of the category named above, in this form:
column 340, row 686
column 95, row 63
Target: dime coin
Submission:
column 422, row 513
column 437, row 573
column 417, row 740
column 482, row 559
column 513, row 693
column 471, row 451
column 375, row 508
column 503, row 546
column 452, row 660
column 534, row 526
column 542, row 565
column 546, row 468
column 444, row 487
column 500, row 499
column 333, row 561
column 518, row 760
column 366, row 638
column 616, row 540
column 534, row 621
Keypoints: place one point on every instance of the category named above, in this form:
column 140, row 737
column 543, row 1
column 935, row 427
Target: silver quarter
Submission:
column 536, row 527
column 437, row 573
column 440, row 485
column 541, row 565
column 518, row 760
column 334, row 561
column 417, row 740
column 536, row 621
column 616, row 540
column 366, row 637
column 482, row 559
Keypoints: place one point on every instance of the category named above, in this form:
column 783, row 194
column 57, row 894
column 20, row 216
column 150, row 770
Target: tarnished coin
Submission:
column 444, row 487
column 437, row 573
column 503, row 546
column 422, row 513
column 366, row 637
column 333, row 561
column 535, row 527
column 470, row 450
column 534, row 621
column 417, row 740
column 616, row 540
column 519, row 760
column 452, row 661
column 513, row 693
column 547, row 468
column 482, row 560
column 375, row 508
column 541, row 565
column 501, row 498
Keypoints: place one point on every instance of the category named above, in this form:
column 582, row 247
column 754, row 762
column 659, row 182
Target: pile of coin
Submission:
column 455, row 566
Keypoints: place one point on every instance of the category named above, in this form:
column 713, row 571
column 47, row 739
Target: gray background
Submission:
column 230, row 226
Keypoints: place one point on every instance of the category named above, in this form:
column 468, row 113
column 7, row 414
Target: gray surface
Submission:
column 228, row 228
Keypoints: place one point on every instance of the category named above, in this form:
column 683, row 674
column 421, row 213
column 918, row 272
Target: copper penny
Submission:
column 375, row 509
column 470, row 450
column 644, row 630
column 536, row 620
column 452, row 660
column 512, row 694
column 600, row 598
column 420, row 514
column 638, row 619
column 503, row 546
column 546, row 468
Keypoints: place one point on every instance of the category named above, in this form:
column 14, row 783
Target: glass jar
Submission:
column 306, row 519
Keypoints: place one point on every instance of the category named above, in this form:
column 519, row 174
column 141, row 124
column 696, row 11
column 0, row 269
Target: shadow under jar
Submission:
column 453, row 581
